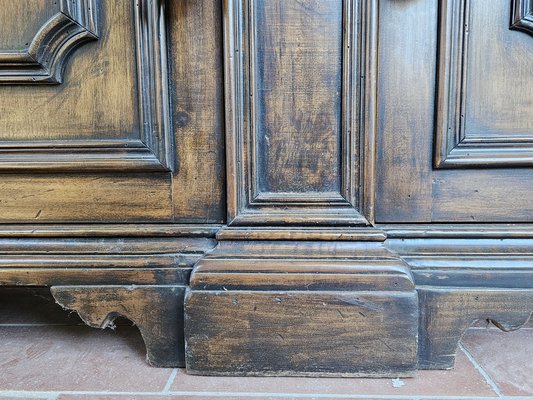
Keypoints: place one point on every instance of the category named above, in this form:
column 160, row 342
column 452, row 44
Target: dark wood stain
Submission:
column 272, row 187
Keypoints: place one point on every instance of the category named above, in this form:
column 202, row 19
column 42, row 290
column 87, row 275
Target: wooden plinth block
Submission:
column 156, row 310
column 301, row 308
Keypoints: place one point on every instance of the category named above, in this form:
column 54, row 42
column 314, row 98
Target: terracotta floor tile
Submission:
column 22, row 398
column 506, row 357
column 59, row 358
column 33, row 306
column 464, row 380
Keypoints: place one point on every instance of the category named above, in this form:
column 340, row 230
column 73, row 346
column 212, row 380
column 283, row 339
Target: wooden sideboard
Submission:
column 272, row 187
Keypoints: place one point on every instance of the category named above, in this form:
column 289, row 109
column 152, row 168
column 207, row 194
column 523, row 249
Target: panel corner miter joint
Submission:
column 522, row 15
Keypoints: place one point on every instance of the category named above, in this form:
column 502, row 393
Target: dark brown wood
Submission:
column 41, row 58
column 447, row 313
column 298, row 143
column 301, row 308
column 483, row 97
column 463, row 280
column 348, row 183
column 156, row 310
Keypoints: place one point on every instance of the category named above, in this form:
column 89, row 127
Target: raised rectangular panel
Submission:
column 484, row 85
column 296, row 110
column 108, row 114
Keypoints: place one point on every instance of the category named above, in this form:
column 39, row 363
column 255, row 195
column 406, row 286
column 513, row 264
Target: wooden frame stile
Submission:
column 153, row 151
column 247, row 203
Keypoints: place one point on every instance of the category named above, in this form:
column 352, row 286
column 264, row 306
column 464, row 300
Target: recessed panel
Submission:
column 22, row 19
column 297, row 87
column 98, row 97
column 485, row 94
column 295, row 120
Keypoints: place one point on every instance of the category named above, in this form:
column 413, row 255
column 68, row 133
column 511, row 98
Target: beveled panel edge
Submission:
column 522, row 16
column 453, row 149
column 154, row 151
column 243, row 207
column 48, row 53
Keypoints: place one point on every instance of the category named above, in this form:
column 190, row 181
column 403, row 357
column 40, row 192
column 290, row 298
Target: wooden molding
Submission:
column 153, row 151
column 248, row 202
column 454, row 147
column 301, row 308
column 462, row 280
column 45, row 58
column 522, row 15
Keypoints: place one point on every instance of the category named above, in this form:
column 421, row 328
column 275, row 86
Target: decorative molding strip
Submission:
column 44, row 60
column 153, row 151
column 109, row 230
column 454, row 148
column 472, row 231
column 522, row 15
column 248, row 202
column 295, row 233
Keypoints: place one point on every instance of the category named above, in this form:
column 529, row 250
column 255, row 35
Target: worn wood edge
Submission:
column 114, row 245
column 466, row 262
column 443, row 323
column 109, row 230
column 157, row 310
column 276, row 262
column 299, row 233
column 472, row 231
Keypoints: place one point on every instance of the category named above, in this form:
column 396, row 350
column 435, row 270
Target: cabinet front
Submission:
column 110, row 111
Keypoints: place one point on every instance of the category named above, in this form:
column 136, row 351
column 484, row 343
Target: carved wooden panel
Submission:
column 136, row 136
column 484, row 96
column 295, row 110
column 42, row 59
column 522, row 15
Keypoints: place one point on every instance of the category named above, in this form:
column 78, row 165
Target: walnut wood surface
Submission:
column 301, row 308
column 346, row 185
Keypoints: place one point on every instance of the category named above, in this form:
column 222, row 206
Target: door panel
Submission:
column 444, row 106
column 96, row 123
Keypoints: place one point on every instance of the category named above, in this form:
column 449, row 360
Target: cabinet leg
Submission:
column 446, row 313
column 156, row 310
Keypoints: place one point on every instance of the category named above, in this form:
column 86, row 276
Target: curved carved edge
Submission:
column 156, row 310
column 48, row 53
column 522, row 16
column 446, row 314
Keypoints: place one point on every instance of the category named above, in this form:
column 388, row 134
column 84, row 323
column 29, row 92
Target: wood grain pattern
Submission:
column 447, row 314
column 85, row 198
column 156, row 310
column 42, row 58
column 197, row 85
column 301, row 308
column 475, row 125
column 409, row 189
column 461, row 280
column 143, row 145
column 275, row 105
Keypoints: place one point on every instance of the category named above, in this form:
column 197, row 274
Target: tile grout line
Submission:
column 55, row 395
column 170, row 380
column 480, row 369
